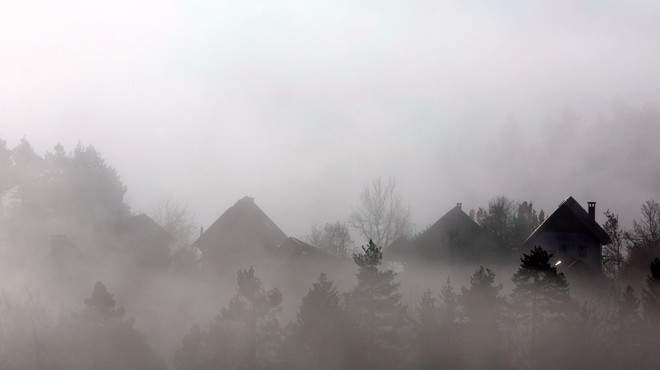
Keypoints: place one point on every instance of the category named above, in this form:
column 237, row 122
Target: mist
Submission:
column 163, row 149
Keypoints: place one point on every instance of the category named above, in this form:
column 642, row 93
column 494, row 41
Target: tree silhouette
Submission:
column 319, row 332
column 100, row 338
column 381, row 215
column 540, row 294
column 483, row 307
column 376, row 312
column 246, row 335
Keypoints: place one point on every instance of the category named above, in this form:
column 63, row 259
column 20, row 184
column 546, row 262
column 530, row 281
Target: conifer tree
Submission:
column 651, row 294
column 246, row 335
column 100, row 337
column 450, row 331
column 427, row 332
column 540, row 295
column 376, row 312
column 483, row 306
column 319, row 330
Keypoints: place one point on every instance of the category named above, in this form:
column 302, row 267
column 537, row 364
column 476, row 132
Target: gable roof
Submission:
column 454, row 235
column 570, row 217
column 243, row 225
column 145, row 229
column 293, row 247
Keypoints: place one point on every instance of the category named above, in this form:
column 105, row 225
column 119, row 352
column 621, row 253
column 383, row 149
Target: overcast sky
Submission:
column 301, row 103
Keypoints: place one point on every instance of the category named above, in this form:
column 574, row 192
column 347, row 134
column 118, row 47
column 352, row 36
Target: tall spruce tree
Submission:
column 376, row 312
column 318, row 338
column 483, row 307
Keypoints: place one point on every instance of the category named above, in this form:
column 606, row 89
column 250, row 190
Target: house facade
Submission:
column 572, row 234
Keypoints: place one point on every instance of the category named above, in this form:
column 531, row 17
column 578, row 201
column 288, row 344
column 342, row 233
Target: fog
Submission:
column 302, row 106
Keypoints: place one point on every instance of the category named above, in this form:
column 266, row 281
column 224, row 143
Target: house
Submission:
column 241, row 236
column 295, row 248
column 145, row 242
column 572, row 235
column 455, row 237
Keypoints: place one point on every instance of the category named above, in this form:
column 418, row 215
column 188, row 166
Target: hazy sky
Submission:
column 301, row 103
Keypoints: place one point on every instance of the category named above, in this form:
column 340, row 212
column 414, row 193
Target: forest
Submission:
column 80, row 291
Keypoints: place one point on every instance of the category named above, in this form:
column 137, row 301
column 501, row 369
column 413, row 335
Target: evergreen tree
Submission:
column 100, row 338
column 483, row 307
column 246, row 335
column 319, row 330
column 450, row 331
column 377, row 315
column 427, row 332
column 651, row 294
column 540, row 294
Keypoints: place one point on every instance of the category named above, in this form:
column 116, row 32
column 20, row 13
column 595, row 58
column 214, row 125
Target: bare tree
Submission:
column 174, row 217
column 613, row 252
column 333, row 238
column 381, row 215
column 646, row 231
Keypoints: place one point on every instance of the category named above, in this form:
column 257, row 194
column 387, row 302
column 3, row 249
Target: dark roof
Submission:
column 570, row 217
column 293, row 247
column 243, row 225
column 144, row 228
column 454, row 235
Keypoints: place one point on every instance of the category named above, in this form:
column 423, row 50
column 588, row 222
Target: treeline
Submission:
column 537, row 325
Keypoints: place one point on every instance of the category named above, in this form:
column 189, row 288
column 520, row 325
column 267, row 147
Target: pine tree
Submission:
column 100, row 337
column 427, row 332
column 540, row 294
column 483, row 307
column 450, row 331
column 246, row 335
column 376, row 312
column 319, row 330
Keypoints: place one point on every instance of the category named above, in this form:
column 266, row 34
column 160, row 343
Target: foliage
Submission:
column 376, row 312
column 509, row 222
column 381, row 215
column 540, row 296
column 483, row 307
column 246, row 335
column 100, row 338
column 333, row 238
column 320, row 330
column 612, row 255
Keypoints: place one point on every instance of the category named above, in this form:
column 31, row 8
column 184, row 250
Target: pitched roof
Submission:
column 293, row 247
column 570, row 217
column 145, row 229
column 243, row 226
column 454, row 235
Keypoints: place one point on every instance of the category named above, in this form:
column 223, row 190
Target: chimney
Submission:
column 459, row 205
column 592, row 210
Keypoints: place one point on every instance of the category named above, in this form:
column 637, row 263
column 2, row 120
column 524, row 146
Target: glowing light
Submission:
column 557, row 263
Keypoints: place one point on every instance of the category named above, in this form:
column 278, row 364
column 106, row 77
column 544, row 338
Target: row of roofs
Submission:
column 244, row 232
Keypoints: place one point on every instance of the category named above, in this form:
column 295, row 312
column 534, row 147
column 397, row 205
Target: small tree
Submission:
column 613, row 252
column 333, row 238
column 381, row 215
column 646, row 230
column 376, row 312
